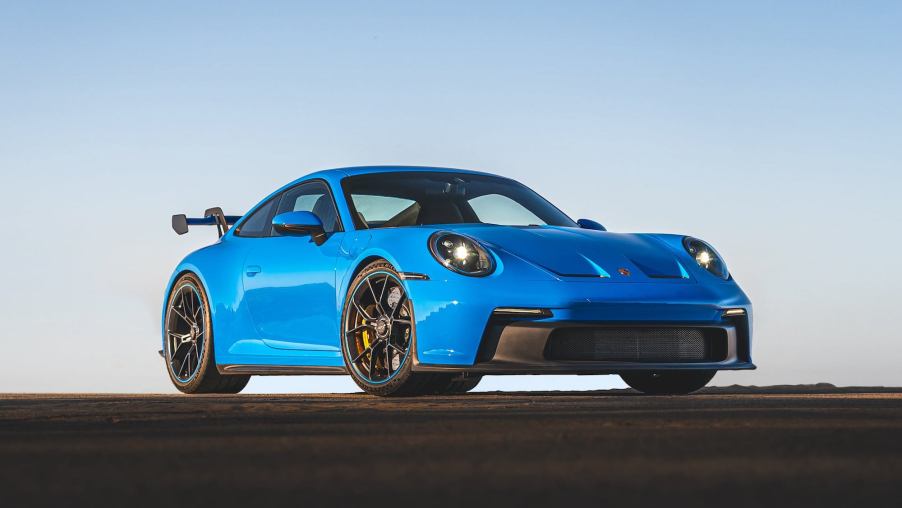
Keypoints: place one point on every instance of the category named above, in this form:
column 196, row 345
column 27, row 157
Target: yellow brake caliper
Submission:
column 365, row 335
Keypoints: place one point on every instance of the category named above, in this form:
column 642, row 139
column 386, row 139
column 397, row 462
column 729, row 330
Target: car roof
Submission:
column 339, row 173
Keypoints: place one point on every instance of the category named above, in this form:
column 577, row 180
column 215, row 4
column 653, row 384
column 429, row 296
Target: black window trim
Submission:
column 278, row 197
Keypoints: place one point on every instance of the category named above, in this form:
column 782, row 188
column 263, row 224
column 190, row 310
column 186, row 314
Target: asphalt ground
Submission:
column 786, row 446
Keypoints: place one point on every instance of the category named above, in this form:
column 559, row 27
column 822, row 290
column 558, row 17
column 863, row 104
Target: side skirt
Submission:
column 281, row 370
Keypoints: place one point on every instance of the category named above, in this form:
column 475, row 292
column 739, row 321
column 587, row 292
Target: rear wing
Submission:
column 212, row 217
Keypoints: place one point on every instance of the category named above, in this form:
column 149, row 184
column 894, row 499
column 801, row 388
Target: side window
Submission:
column 311, row 197
column 502, row 210
column 260, row 222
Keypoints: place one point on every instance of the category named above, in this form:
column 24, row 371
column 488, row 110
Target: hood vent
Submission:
column 660, row 267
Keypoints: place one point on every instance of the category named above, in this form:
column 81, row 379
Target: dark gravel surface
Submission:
column 786, row 446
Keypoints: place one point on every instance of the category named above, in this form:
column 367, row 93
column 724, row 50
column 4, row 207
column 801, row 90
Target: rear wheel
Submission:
column 189, row 342
column 378, row 333
column 668, row 382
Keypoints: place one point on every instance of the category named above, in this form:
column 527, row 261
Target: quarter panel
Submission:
column 218, row 267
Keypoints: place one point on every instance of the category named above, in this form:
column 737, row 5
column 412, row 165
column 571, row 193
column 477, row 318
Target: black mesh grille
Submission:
column 635, row 344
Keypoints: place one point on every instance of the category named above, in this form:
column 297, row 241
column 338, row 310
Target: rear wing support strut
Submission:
column 212, row 217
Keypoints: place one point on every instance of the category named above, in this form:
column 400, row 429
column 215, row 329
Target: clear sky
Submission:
column 771, row 129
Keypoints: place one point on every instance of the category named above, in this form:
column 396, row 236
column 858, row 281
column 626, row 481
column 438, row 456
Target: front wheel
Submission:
column 460, row 385
column 668, row 382
column 378, row 331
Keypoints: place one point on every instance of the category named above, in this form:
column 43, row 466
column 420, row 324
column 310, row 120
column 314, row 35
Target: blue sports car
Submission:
column 422, row 280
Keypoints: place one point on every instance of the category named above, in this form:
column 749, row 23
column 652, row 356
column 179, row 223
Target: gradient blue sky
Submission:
column 771, row 129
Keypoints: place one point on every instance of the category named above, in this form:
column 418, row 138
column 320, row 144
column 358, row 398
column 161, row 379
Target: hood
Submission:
column 584, row 253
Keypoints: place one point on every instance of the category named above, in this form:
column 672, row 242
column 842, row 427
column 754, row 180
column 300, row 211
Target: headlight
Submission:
column 706, row 257
column 461, row 254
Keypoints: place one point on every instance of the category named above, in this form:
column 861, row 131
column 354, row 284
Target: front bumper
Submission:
column 456, row 320
column 523, row 347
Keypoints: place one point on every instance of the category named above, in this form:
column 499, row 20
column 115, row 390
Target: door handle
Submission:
column 252, row 270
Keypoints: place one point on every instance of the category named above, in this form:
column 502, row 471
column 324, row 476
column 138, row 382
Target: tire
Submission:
column 459, row 385
column 447, row 384
column 366, row 304
column 188, row 327
column 668, row 382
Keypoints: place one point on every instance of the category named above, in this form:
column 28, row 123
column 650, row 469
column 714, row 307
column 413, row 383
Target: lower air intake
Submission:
column 634, row 344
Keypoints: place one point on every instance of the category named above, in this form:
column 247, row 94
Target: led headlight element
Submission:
column 706, row 257
column 461, row 254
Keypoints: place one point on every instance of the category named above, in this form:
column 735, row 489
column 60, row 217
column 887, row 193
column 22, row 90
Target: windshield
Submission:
column 412, row 198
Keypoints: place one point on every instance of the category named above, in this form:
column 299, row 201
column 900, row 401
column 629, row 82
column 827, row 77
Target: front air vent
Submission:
column 637, row 344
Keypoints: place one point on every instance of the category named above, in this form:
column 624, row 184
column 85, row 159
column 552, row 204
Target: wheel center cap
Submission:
column 382, row 327
column 195, row 331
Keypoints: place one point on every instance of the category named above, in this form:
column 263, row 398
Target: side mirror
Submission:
column 590, row 224
column 300, row 223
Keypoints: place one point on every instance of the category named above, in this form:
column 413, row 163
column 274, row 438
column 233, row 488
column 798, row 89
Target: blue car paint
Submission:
column 289, row 313
column 289, row 289
column 297, row 218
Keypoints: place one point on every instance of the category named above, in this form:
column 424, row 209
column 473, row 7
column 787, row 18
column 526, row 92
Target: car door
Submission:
column 289, row 280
